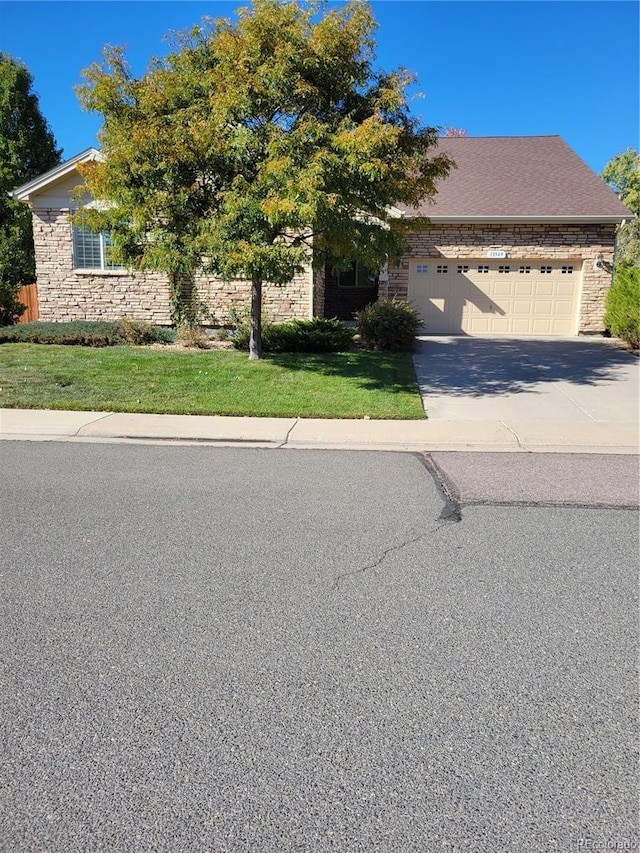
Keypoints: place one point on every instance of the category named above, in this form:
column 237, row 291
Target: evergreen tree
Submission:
column 27, row 149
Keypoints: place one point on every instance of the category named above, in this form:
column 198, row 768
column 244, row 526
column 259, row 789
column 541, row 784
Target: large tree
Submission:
column 27, row 149
column 254, row 142
column 622, row 173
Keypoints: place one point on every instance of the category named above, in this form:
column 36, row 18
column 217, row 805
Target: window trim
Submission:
column 105, row 268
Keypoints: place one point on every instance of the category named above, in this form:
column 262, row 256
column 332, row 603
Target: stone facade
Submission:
column 578, row 243
column 69, row 294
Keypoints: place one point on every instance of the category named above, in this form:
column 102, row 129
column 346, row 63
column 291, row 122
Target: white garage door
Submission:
column 487, row 297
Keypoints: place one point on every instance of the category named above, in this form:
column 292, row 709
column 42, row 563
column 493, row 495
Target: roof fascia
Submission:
column 569, row 219
column 25, row 192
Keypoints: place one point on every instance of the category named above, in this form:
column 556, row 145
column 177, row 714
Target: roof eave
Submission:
column 24, row 192
column 568, row 219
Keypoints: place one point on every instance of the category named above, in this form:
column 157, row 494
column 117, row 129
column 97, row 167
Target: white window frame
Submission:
column 81, row 231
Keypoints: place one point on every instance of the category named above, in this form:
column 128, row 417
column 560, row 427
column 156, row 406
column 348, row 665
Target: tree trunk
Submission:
column 255, row 339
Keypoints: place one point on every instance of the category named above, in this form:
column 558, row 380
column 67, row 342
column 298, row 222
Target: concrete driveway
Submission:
column 566, row 380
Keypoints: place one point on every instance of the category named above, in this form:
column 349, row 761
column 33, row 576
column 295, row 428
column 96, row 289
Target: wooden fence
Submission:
column 28, row 295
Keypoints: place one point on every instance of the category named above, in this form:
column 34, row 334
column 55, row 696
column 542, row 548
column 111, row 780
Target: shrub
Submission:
column 622, row 306
column 390, row 325
column 95, row 333
column 317, row 335
column 79, row 332
column 10, row 307
column 190, row 335
column 139, row 333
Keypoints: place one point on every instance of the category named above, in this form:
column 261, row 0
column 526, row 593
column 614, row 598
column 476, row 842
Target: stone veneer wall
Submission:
column 318, row 292
column 68, row 294
column 579, row 243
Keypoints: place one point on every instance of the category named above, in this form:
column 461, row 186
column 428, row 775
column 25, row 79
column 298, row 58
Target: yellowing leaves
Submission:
column 255, row 129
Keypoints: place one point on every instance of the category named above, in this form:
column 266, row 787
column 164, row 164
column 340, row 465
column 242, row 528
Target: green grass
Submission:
column 211, row 382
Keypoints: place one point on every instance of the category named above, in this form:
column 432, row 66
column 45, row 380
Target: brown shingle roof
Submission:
column 519, row 176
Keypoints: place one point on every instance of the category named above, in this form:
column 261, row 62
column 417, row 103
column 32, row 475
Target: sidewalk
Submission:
column 426, row 436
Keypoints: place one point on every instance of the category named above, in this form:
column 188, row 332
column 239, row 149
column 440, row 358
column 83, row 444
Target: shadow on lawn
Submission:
column 474, row 367
column 374, row 371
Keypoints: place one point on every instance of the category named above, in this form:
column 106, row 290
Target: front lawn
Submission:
column 210, row 382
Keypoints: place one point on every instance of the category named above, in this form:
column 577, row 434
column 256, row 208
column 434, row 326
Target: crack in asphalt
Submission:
column 452, row 518
column 451, row 514
column 452, row 505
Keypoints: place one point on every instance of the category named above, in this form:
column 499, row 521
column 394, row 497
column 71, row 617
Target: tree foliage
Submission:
column 254, row 141
column 622, row 173
column 27, row 149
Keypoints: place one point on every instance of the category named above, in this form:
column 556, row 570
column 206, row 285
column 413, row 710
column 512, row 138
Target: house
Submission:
column 520, row 242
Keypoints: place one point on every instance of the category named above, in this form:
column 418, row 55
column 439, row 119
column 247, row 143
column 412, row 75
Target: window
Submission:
column 503, row 268
column 462, row 268
column 483, row 268
column 442, row 268
column 545, row 270
column 567, row 270
column 356, row 276
column 92, row 250
column 421, row 268
column 525, row 269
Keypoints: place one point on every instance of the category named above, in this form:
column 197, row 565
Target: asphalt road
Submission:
column 221, row 650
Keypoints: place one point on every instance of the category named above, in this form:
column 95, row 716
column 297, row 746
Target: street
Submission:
column 223, row 650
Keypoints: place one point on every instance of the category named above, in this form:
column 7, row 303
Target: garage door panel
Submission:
column 523, row 288
column 479, row 326
column 541, row 326
column 502, row 288
column 563, row 327
column 565, row 288
column 542, row 307
column 543, row 288
column 486, row 297
column 563, row 309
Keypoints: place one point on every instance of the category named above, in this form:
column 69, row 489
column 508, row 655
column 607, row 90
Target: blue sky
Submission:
column 508, row 67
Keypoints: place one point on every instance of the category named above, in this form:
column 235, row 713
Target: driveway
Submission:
column 568, row 380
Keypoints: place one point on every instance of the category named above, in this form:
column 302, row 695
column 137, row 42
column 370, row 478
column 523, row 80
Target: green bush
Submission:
column 10, row 307
column 390, row 325
column 622, row 306
column 139, row 332
column 317, row 335
column 98, row 333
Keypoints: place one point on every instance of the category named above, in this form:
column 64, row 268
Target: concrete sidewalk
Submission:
column 427, row 435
